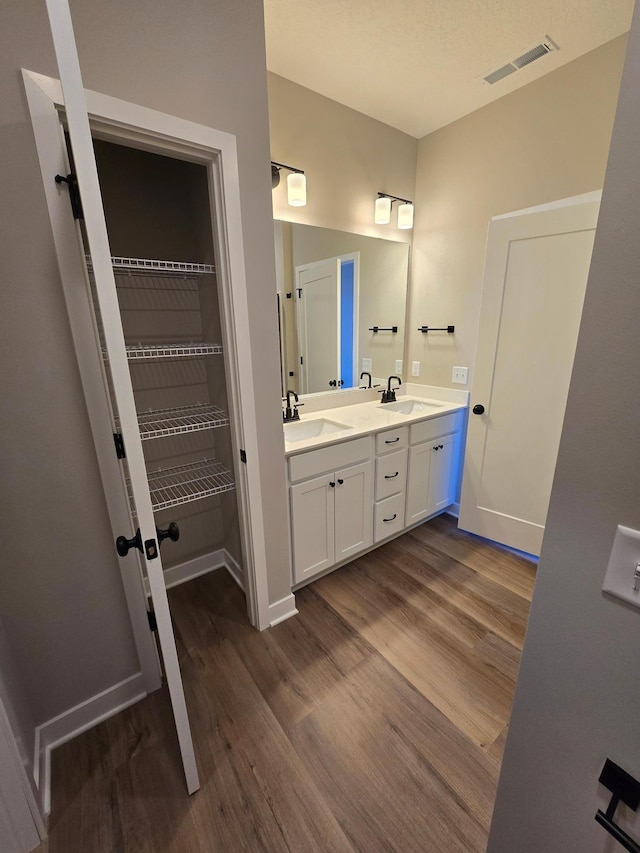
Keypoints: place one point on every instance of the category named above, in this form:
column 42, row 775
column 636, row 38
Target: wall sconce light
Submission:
column 296, row 183
column 382, row 211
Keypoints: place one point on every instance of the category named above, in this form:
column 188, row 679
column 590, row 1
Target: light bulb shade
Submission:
column 297, row 189
column 382, row 214
column 405, row 216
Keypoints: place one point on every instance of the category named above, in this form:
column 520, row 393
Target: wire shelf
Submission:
column 140, row 352
column 186, row 483
column 163, row 422
column 141, row 265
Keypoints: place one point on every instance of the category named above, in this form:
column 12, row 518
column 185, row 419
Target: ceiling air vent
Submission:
column 529, row 56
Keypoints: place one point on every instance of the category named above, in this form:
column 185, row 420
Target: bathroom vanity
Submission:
column 361, row 474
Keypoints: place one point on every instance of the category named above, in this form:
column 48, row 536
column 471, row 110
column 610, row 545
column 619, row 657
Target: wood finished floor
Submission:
column 373, row 721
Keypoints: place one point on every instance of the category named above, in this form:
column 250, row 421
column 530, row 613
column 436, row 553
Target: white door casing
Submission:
column 535, row 279
column 318, row 321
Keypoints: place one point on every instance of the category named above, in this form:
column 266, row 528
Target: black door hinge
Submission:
column 299, row 289
column 119, row 443
column 151, row 616
column 301, row 360
column 243, row 456
column 74, row 193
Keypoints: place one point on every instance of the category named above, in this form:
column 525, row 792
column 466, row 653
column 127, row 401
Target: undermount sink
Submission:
column 301, row 430
column 411, row 407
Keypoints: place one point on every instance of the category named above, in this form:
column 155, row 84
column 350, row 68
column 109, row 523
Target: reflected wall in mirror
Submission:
column 333, row 289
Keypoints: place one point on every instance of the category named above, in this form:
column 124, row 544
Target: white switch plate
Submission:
column 625, row 556
column 460, row 375
column 399, row 366
column 366, row 364
column 415, row 368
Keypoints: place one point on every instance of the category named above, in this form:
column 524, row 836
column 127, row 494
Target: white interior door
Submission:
column 535, row 279
column 97, row 239
column 318, row 304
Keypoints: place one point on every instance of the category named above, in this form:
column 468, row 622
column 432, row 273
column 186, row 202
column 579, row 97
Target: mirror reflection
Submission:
column 341, row 306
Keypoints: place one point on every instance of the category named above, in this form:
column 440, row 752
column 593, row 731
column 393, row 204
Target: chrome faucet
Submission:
column 389, row 395
column 366, row 373
column 291, row 413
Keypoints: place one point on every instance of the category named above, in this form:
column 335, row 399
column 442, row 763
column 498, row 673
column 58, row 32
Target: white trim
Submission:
column 235, row 570
column 79, row 719
column 584, row 198
column 453, row 510
column 281, row 610
column 191, row 569
column 184, row 572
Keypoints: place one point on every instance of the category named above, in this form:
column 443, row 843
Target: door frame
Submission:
column 119, row 121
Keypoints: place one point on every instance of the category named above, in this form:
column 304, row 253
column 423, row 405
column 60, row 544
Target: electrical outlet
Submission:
column 399, row 366
column 366, row 364
column 460, row 375
column 415, row 368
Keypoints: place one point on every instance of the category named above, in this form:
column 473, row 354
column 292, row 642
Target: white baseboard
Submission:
column 453, row 510
column 235, row 569
column 184, row 572
column 76, row 720
column 283, row 609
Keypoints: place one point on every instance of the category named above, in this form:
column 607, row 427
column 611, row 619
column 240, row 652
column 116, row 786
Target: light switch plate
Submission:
column 399, row 366
column 415, row 368
column 460, row 375
column 625, row 556
column 366, row 364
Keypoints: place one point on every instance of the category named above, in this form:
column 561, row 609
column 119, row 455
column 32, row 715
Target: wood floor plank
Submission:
column 381, row 788
column 373, row 721
column 475, row 698
column 509, row 570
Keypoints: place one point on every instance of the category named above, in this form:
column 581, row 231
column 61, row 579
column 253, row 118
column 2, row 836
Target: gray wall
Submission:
column 61, row 599
column 578, row 692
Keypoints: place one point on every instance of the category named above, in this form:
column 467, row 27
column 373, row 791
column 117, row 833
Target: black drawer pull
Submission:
column 393, row 440
column 393, row 517
column 391, row 476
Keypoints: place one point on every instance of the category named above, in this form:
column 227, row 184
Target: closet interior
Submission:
column 160, row 232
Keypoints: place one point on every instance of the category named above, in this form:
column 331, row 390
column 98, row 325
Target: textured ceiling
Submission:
column 415, row 64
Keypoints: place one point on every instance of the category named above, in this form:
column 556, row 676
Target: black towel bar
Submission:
column 374, row 329
column 449, row 329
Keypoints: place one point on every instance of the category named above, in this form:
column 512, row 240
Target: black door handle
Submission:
column 478, row 409
column 123, row 544
column 333, row 382
column 172, row 532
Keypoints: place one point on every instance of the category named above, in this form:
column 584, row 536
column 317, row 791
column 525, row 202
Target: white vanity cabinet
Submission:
column 331, row 514
column 348, row 496
column 433, row 458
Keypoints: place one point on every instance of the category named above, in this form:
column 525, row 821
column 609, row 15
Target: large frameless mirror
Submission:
column 341, row 306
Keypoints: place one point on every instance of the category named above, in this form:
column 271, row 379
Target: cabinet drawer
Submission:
column 388, row 517
column 391, row 439
column 391, row 474
column 426, row 430
column 315, row 462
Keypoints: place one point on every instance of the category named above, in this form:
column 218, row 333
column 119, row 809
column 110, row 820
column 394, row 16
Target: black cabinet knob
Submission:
column 333, row 382
column 332, row 484
column 478, row 409
column 340, row 482
column 172, row 532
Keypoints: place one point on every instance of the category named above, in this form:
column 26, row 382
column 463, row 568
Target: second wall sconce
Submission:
column 382, row 212
column 296, row 183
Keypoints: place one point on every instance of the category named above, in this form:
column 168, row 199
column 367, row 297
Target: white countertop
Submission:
column 370, row 417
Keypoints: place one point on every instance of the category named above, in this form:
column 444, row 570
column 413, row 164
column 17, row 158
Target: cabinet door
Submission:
column 441, row 485
column 353, row 510
column 312, row 524
column 420, row 458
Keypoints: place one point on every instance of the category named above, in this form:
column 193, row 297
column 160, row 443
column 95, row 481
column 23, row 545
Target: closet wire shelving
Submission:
column 180, row 484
